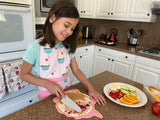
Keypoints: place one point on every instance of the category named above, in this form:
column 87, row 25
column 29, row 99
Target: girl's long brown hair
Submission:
column 61, row 8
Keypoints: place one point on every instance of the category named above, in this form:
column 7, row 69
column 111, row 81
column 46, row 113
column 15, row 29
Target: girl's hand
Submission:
column 97, row 97
column 55, row 89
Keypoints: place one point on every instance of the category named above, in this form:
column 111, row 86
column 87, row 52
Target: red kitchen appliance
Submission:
column 112, row 35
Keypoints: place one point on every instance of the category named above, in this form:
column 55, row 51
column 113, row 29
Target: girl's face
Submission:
column 63, row 27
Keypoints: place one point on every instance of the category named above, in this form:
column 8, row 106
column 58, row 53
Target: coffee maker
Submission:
column 88, row 32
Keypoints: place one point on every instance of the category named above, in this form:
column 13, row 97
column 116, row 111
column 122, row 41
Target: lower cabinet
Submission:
column 123, row 68
column 137, row 68
column 146, row 71
column 84, row 59
column 114, row 61
column 100, row 63
column 9, row 106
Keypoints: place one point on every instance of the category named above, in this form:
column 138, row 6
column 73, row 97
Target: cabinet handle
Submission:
column 126, row 56
column 30, row 101
column 99, row 49
column 86, row 49
column 80, row 56
column 109, row 59
column 111, row 13
column 84, row 11
column 108, row 13
column 112, row 60
column 148, row 14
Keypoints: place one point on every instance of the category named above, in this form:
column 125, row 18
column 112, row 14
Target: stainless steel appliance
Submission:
column 133, row 41
column 155, row 7
column 88, row 32
column 42, row 7
column 16, row 23
column 134, row 36
column 151, row 51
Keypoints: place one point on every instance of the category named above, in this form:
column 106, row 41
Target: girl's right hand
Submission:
column 55, row 89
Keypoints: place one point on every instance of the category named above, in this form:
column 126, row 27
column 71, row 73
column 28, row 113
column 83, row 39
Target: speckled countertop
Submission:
column 119, row 46
column 45, row 109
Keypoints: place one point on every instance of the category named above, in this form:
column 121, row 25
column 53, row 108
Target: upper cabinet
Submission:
column 127, row 10
column 141, row 9
column 85, row 8
column 112, row 8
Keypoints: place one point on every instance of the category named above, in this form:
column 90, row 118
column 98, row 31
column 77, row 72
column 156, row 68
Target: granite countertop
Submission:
column 124, row 47
column 45, row 109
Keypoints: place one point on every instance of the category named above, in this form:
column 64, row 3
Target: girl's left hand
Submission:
column 97, row 97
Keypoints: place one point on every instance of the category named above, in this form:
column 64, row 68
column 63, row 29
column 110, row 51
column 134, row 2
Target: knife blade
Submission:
column 71, row 104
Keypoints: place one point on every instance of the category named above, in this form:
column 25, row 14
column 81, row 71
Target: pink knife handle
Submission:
column 64, row 93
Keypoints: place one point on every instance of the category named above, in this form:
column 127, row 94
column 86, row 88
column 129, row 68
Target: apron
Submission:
column 54, row 64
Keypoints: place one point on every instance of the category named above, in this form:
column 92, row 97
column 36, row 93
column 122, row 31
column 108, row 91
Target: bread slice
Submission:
column 80, row 99
column 153, row 89
column 153, row 93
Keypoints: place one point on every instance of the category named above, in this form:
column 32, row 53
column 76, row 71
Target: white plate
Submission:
column 140, row 94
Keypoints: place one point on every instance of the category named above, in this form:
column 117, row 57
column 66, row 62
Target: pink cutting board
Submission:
column 92, row 113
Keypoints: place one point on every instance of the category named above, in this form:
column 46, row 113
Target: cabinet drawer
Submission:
column 124, row 55
column 147, row 61
column 101, row 50
column 17, row 103
column 115, row 53
column 86, row 49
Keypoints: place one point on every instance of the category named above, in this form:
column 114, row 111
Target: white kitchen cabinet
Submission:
column 146, row 71
column 123, row 67
column 117, row 62
column 16, row 103
column 84, row 56
column 102, row 8
column 141, row 9
column 112, row 8
column 127, row 10
column 85, row 8
column 100, row 63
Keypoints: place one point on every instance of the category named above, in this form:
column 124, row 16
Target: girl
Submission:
column 51, row 55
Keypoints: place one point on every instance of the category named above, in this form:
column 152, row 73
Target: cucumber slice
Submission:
column 132, row 89
column 124, row 87
column 133, row 93
column 124, row 91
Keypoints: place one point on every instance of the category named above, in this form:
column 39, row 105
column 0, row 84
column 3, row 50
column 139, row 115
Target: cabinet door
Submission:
column 72, row 77
column 146, row 75
column 85, row 7
column 111, row 8
column 85, row 64
column 140, row 8
column 102, row 7
column 16, row 103
column 84, row 61
column 123, row 68
column 155, row 0
column 119, row 8
column 100, row 64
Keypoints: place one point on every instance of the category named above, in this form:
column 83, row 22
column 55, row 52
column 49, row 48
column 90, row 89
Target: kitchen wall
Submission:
column 150, row 38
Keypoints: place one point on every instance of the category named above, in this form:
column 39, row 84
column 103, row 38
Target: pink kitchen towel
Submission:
column 12, row 72
column 2, row 84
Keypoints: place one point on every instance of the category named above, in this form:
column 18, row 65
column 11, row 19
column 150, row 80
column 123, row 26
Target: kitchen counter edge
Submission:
column 124, row 47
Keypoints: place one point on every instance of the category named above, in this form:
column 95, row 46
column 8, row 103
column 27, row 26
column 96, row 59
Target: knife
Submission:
column 67, row 101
